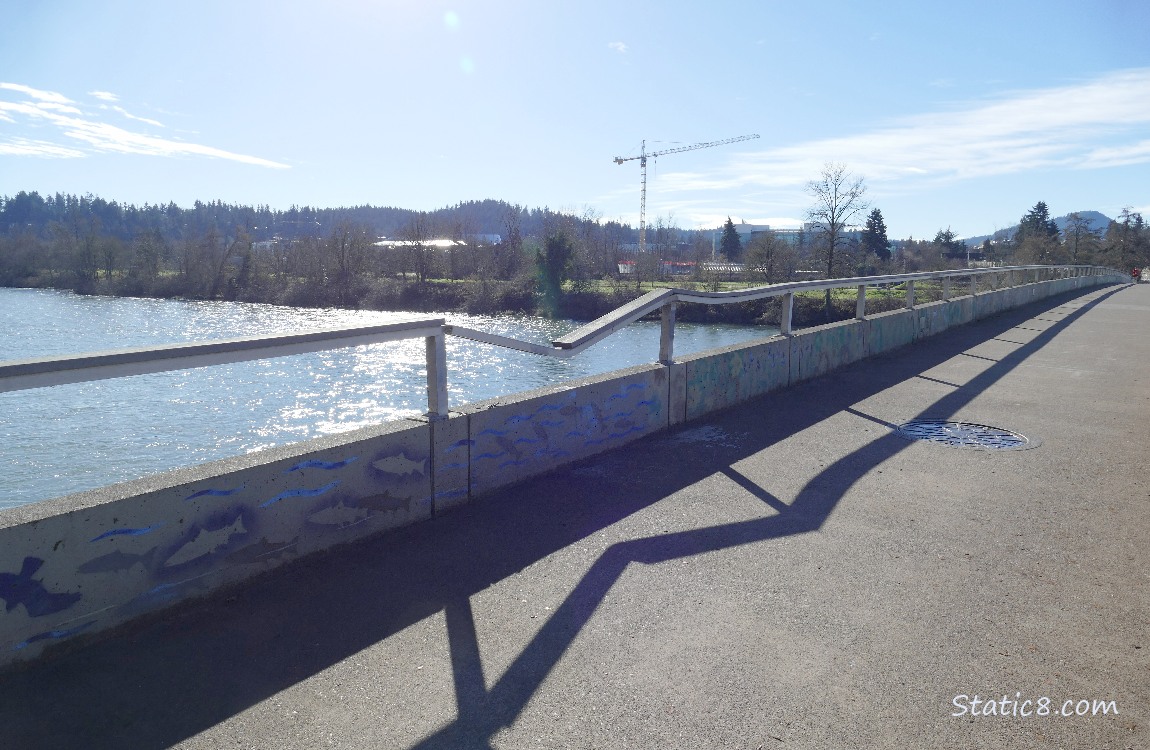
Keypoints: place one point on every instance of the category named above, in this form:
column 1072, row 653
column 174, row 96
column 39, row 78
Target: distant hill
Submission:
column 1098, row 221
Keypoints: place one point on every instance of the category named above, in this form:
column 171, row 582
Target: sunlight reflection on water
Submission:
column 73, row 437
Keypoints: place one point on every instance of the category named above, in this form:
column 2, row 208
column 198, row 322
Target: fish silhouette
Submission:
column 127, row 532
column 116, row 561
column 509, row 447
column 325, row 465
column 63, row 633
column 216, row 492
column 540, row 432
column 301, row 492
column 459, row 444
column 206, row 542
column 19, row 588
column 400, row 465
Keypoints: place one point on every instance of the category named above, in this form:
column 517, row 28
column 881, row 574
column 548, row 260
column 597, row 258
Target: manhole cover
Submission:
column 965, row 435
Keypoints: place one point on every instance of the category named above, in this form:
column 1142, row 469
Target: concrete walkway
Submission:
column 789, row 574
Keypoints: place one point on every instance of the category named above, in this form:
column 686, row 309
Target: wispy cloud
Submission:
column 25, row 147
column 37, row 94
column 131, row 116
column 81, row 133
column 618, row 47
column 1096, row 124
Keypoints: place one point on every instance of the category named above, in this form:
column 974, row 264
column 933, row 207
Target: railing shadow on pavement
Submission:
column 187, row 670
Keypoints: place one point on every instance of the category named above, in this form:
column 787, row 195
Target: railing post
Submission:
column 860, row 304
column 910, row 295
column 788, row 301
column 973, row 284
column 436, row 376
column 667, row 334
column 945, row 288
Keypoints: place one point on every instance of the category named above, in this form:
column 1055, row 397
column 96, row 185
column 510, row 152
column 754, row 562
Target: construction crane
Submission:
column 643, row 156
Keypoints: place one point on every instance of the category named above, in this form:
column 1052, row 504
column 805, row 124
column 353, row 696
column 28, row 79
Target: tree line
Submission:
column 299, row 256
column 542, row 261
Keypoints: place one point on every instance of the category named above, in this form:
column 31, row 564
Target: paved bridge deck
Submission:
column 788, row 574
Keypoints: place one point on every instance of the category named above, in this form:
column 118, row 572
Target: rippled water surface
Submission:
column 67, row 438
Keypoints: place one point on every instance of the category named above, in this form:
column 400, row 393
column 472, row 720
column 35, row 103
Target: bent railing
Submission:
column 666, row 300
column 49, row 371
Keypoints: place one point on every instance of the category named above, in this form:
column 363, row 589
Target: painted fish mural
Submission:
column 19, row 588
column 206, row 542
column 113, row 562
column 400, row 465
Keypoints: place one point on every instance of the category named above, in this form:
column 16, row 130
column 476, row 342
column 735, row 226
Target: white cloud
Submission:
column 1120, row 155
column 1096, row 124
column 54, row 107
column 130, row 116
column 23, row 147
column 44, row 96
column 84, row 133
column 104, row 96
column 618, row 47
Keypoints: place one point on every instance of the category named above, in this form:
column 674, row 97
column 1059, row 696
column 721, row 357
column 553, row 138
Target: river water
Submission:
column 63, row 439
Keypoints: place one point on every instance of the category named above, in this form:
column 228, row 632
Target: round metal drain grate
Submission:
column 965, row 435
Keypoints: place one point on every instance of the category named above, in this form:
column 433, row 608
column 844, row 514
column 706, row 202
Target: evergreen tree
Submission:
column 874, row 239
column 949, row 242
column 1037, row 223
column 553, row 263
column 730, row 245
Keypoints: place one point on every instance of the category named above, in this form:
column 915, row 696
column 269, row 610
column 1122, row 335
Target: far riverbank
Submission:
column 474, row 297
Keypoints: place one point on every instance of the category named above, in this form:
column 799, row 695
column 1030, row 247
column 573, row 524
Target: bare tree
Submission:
column 417, row 233
column 838, row 198
column 770, row 259
column 1080, row 237
column 347, row 248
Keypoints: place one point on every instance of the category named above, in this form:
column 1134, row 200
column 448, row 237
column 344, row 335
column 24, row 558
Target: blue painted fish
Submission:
column 19, row 588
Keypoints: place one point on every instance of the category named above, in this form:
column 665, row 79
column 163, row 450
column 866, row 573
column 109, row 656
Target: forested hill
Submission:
column 31, row 212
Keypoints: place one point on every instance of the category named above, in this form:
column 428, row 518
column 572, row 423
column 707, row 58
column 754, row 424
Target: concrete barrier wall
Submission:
column 81, row 564
column 724, row 377
column 819, row 350
column 92, row 560
column 520, row 436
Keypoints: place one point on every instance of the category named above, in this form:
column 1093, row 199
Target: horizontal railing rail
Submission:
column 665, row 300
column 50, row 371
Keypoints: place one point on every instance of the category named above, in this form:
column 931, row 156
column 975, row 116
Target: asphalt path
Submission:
column 789, row 573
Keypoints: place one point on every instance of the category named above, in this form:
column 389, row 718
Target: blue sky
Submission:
column 958, row 115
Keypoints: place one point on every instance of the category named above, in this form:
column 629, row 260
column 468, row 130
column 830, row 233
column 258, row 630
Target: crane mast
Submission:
column 643, row 156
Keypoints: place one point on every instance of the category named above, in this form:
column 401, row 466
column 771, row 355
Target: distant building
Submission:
column 477, row 239
column 793, row 236
column 667, row 267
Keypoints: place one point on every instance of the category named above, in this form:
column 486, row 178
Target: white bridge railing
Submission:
column 48, row 371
